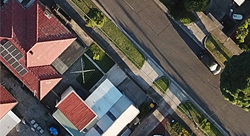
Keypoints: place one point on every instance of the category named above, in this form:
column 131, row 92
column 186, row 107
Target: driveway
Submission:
column 28, row 108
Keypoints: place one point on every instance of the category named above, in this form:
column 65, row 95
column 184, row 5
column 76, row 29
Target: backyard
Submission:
column 100, row 57
column 91, row 77
column 115, row 35
column 220, row 52
column 200, row 119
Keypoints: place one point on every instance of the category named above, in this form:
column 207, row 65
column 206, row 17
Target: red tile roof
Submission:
column 7, row 102
column 29, row 29
column 76, row 111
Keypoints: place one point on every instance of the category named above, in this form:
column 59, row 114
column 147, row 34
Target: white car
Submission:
column 237, row 17
column 211, row 64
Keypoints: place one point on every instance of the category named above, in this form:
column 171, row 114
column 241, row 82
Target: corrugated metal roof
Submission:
column 76, row 111
column 103, row 98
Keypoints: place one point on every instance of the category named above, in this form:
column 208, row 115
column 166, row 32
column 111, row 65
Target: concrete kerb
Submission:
column 183, row 27
column 144, row 52
column 172, row 80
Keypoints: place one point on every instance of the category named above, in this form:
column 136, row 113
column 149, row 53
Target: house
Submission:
column 73, row 113
column 31, row 39
column 8, row 120
column 239, row 2
column 105, row 112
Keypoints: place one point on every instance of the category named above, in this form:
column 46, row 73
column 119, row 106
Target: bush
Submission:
column 186, row 21
column 241, row 33
column 96, row 18
column 196, row 5
column 179, row 129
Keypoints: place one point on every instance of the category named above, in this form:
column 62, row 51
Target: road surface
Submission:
column 163, row 39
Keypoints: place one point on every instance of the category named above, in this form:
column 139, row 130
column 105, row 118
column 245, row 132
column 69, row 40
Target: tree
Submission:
column 235, row 80
column 196, row 5
column 95, row 18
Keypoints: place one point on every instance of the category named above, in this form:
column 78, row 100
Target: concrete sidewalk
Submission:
column 144, row 76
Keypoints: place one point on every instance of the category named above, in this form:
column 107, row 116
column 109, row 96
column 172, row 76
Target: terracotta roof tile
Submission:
column 54, row 31
column 5, row 96
column 6, row 20
column 26, row 28
column 76, row 111
column 7, row 102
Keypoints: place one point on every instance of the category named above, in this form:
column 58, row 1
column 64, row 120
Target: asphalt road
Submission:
column 175, row 52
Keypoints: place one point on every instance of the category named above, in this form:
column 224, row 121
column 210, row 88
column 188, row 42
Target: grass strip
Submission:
column 115, row 35
column 162, row 84
column 199, row 118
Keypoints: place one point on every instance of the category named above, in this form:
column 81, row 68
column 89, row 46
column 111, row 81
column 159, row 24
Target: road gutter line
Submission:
column 167, row 74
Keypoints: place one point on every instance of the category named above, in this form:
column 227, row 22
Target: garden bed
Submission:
column 219, row 51
column 176, row 129
column 199, row 118
column 103, row 60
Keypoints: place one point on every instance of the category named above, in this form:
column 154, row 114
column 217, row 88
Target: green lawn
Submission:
column 116, row 36
column 162, row 84
column 123, row 43
column 91, row 78
column 198, row 118
column 217, row 49
column 104, row 62
column 84, row 5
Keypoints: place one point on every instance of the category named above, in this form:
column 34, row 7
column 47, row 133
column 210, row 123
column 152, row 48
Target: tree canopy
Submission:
column 235, row 80
column 196, row 5
column 96, row 18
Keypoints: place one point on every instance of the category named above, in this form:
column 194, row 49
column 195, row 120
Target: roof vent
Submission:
column 47, row 13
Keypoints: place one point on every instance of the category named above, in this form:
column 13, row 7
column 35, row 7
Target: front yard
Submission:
column 115, row 35
column 220, row 52
column 103, row 60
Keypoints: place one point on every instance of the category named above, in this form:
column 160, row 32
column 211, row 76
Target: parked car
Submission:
column 237, row 17
column 209, row 61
